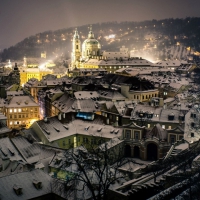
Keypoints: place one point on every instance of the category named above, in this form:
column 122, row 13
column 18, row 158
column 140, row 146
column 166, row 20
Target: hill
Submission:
column 153, row 39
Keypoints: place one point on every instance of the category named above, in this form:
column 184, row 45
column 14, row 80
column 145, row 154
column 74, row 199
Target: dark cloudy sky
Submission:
column 22, row 18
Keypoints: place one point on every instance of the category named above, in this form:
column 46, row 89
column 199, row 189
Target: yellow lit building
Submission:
column 28, row 73
column 21, row 112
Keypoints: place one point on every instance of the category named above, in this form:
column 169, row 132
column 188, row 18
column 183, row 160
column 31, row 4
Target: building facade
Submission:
column 21, row 112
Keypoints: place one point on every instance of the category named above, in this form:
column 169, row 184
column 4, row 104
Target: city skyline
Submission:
column 22, row 19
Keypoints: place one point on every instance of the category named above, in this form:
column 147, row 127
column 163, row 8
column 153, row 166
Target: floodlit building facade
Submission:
column 21, row 112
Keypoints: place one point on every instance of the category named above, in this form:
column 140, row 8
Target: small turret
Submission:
column 91, row 34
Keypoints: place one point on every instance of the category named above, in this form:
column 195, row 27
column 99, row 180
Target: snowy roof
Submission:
column 25, row 181
column 32, row 153
column 54, row 129
column 86, row 94
column 9, row 150
column 21, row 101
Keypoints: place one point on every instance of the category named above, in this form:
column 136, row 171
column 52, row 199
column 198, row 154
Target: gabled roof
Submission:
column 158, row 132
column 178, row 129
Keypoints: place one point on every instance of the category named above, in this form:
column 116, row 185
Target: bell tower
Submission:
column 76, row 48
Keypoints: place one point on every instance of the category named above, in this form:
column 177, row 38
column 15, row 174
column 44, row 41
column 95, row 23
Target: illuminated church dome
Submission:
column 91, row 46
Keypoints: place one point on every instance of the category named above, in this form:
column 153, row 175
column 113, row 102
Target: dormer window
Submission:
column 193, row 115
column 171, row 116
column 17, row 189
column 37, row 184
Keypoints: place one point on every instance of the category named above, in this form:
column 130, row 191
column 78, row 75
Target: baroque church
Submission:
column 90, row 47
column 90, row 56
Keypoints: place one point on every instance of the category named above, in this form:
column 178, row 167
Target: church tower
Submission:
column 76, row 48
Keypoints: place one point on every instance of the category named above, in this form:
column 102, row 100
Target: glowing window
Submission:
column 19, row 110
column 163, row 126
column 15, row 110
column 10, row 110
column 11, row 123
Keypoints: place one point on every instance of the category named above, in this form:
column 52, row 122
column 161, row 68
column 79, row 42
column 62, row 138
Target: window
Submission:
column 36, row 110
column 64, row 143
column 10, row 116
column 15, row 116
column 136, row 135
column 19, row 116
column 10, row 110
column 15, row 110
column 11, row 123
column 35, row 115
column 148, row 125
column 128, row 134
column 163, row 126
column 19, row 110
column 69, row 141
column 169, row 127
column 172, row 139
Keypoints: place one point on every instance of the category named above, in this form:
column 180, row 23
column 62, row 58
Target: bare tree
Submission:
column 94, row 170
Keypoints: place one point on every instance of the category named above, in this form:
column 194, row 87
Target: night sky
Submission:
column 23, row 18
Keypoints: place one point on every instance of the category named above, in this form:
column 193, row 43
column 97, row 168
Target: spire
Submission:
column 76, row 36
column 91, row 34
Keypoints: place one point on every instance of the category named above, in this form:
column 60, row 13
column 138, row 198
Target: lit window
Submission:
column 15, row 110
column 10, row 110
column 163, row 126
column 148, row 126
column 170, row 127
column 19, row 110
column 11, row 123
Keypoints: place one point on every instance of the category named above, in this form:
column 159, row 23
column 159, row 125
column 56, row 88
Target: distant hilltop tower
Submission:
column 25, row 62
column 76, row 48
